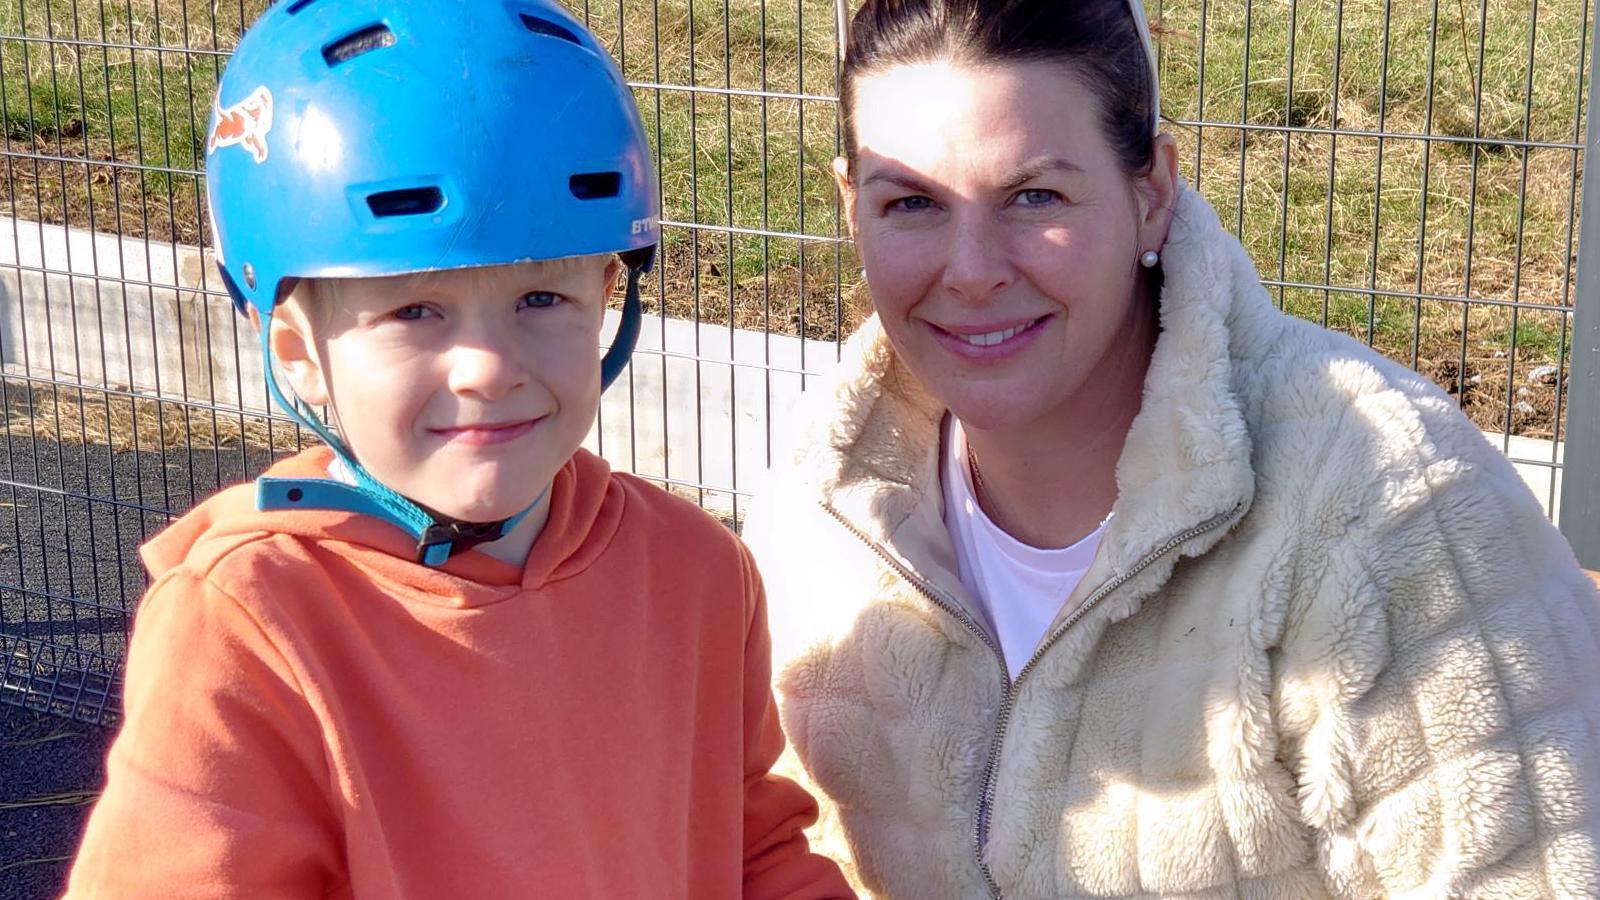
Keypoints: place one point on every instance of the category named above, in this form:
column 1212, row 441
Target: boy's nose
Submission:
column 485, row 372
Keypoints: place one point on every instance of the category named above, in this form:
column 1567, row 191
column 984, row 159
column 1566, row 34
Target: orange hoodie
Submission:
column 308, row 713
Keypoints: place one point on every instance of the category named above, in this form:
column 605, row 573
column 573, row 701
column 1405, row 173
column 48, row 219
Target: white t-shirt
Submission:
column 1019, row 589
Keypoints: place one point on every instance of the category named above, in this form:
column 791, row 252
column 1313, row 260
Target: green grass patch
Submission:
column 1535, row 335
column 1451, row 201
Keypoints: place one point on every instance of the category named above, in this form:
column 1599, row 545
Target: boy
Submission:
column 451, row 654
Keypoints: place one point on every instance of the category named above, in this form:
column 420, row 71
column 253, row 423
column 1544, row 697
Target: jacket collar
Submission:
column 1186, row 460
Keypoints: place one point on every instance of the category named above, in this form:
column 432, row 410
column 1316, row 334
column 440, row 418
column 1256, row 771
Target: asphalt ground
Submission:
column 71, row 519
column 50, row 771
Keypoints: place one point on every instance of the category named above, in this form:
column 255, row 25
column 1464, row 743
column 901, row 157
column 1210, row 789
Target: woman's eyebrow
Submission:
column 1019, row 176
column 906, row 181
column 1033, row 168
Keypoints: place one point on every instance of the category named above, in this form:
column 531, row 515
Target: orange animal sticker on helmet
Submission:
column 246, row 122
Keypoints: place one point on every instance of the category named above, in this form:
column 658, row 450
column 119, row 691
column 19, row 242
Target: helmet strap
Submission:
column 621, row 349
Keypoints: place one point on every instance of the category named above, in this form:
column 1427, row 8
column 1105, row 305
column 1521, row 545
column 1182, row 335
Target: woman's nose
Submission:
column 976, row 263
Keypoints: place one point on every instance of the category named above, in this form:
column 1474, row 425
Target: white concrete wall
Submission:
column 131, row 314
column 1533, row 459
column 698, row 406
column 105, row 310
column 701, row 403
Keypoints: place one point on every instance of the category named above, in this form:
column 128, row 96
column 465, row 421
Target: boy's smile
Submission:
column 464, row 390
column 486, row 434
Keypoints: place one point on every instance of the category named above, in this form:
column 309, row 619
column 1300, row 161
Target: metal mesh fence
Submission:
column 1407, row 171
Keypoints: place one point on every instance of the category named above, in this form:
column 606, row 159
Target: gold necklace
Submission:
column 978, row 489
column 977, row 474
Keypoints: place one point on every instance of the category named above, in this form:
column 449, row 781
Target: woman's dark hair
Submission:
column 1096, row 39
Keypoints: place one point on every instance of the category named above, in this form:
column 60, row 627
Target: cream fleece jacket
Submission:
column 1329, row 647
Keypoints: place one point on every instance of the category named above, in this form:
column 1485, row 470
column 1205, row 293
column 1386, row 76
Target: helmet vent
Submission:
column 405, row 202
column 352, row 45
column 595, row 185
column 298, row 5
column 548, row 28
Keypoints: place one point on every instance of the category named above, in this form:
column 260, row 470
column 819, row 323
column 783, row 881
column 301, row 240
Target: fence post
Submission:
column 1580, row 478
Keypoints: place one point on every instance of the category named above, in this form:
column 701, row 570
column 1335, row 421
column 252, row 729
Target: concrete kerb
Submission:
column 700, row 406
column 108, row 311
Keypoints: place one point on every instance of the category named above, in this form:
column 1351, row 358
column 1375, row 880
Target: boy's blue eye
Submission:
column 412, row 313
column 539, row 300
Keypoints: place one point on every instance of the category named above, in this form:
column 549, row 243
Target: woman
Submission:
column 1102, row 577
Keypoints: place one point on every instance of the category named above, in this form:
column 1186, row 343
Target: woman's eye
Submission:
column 1037, row 197
column 539, row 300
column 910, row 204
column 412, row 313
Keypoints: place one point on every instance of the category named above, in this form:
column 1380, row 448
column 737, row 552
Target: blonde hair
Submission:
column 313, row 299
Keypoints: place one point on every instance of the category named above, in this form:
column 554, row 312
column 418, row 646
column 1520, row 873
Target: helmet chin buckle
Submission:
column 449, row 537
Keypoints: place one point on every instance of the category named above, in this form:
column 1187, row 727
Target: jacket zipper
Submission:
column 980, row 832
column 992, row 765
column 927, row 590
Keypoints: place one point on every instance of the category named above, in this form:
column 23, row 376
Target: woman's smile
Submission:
column 990, row 343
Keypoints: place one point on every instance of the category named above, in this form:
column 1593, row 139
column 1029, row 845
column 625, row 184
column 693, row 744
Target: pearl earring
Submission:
column 1149, row 258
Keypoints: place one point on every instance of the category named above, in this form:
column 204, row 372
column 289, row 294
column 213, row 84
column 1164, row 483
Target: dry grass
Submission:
column 86, row 416
column 703, row 281
column 101, row 195
column 73, row 798
column 41, row 861
column 1379, row 243
column 40, row 741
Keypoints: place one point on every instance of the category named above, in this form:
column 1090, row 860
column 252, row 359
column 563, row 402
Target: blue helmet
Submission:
column 356, row 138
column 381, row 137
